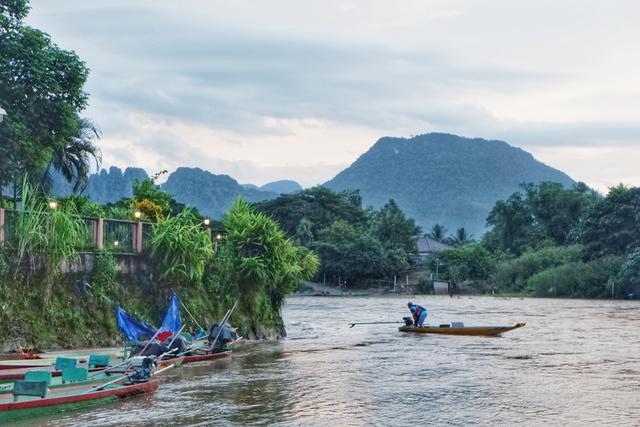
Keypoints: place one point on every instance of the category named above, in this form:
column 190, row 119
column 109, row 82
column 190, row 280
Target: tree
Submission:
column 304, row 235
column 319, row 205
column 462, row 237
column 41, row 89
column 437, row 232
column 612, row 225
column 392, row 227
column 349, row 253
column 74, row 160
column 259, row 264
column 472, row 261
column 538, row 213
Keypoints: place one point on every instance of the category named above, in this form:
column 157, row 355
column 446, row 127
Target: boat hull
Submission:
column 10, row 411
column 466, row 330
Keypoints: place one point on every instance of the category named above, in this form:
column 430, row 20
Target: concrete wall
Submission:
column 128, row 264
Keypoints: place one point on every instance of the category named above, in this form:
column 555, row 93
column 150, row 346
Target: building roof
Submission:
column 427, row 245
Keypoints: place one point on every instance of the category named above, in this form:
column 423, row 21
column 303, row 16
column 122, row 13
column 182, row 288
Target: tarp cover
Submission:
column 226, row 335
column 131, row 327
column 171, row 321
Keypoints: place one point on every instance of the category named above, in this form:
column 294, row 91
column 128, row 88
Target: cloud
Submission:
column 303, row 88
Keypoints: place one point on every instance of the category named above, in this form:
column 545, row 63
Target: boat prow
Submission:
column 462, row 330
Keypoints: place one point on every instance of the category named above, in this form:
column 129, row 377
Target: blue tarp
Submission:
column 171, row 321
column 131, row 327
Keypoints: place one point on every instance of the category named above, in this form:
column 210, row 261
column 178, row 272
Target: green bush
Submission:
column 512, row 275
column 104, row 273
column 181, row 247
column 469, row 262
column 575, row 279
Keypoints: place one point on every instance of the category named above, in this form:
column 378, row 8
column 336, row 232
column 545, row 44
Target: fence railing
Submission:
column 114, row 234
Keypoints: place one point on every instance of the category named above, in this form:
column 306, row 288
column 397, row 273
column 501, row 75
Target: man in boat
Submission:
column 418, row 312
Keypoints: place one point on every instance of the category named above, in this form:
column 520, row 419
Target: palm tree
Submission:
column 462, row 237
column 437, row 232
column 74, row 159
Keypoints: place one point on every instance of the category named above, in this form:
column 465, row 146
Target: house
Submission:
column 428, row 246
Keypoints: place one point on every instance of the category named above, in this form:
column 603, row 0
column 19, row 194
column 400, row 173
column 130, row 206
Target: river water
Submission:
column 576, row 362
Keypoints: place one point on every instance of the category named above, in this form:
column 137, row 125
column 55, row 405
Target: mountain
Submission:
column 282, row 187
column 211, row 194
column 104, row 186
column 443, row 178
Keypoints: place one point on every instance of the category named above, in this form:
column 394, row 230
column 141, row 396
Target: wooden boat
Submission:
column 81, row 353
column 463, row 330
column 68, row 397
column 18, row 374
column 56, row 382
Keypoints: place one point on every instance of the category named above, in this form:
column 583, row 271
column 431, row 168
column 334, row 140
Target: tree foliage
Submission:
column 536, row 214
column 181, row 247
column 354, row 244
column 259, row 264
column 469, row 262
column 612, row 226
column 41, row 89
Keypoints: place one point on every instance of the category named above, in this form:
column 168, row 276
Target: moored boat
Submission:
column 453, row 329
column 77, row 396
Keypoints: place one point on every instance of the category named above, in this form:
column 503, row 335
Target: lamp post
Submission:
column 206, row 223
column 53, row 204
column 218, row 237
column 137, row 232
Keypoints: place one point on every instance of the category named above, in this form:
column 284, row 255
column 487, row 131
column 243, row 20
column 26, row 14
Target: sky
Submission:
column 291, row 89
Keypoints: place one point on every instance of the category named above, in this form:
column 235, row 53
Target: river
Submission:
column 575, row 363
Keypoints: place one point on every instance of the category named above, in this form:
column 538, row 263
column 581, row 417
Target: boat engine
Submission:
column 142, row 367
column 408, row 321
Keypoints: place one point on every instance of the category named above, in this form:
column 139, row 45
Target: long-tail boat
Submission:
column 454, row 329
column 73, row 396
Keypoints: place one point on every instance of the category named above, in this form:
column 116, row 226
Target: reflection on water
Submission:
column 576, row 362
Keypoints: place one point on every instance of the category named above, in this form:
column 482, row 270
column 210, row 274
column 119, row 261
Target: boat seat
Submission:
column 72, row 375
column 29, row 388
column 98, row 361
column 38, row 376
column 457, row 324
column 63, row 363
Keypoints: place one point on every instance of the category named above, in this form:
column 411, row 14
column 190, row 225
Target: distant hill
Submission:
column 443, row 178
column 282, row 187
column 104, row 186
column 211, row 194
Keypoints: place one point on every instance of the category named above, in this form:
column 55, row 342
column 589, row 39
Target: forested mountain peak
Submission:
column 443, row 178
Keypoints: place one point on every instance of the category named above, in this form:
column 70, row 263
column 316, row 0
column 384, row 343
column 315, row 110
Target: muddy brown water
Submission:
column 577, row 362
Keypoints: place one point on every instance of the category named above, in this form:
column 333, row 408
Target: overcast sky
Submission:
column 265, row 90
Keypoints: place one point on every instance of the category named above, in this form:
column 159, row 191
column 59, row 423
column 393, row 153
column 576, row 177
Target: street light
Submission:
column 53, row 204
column 206, row 221
column 2, row 114
column 218, row 237
column 137, row 215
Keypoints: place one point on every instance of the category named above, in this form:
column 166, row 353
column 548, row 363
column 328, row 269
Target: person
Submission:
column 418, row 312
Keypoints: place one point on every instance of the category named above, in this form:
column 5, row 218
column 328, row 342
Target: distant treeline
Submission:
column 547, row 240
column 356, row 245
